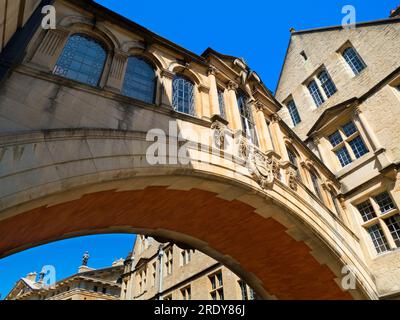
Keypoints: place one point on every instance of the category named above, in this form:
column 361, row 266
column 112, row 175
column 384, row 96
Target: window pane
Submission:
column 139, row 82
column 378, row 238
column 327, row 83
column 294, row 113
column 221, row 102
column 343, row 156
column 393, row 224
column 82, row 60
column 366, row 210
column 183, row 95
column 335, row 139
column 358, row 147
column 315, row 182
column 349, row 129
column 354, row 60
column 385, row 202
column 315, row 93
column 293, row 161
column 246, row 116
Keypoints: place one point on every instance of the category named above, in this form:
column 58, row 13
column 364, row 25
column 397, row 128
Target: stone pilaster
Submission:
column 50, row 48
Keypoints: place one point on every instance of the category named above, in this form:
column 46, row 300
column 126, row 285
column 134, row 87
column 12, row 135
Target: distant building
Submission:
column 155, row 271
column 87, row 284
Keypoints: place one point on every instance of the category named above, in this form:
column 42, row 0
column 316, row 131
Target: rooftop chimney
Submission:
column 395, row 13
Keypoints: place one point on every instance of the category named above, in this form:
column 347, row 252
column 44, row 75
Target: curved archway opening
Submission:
column 258, row 248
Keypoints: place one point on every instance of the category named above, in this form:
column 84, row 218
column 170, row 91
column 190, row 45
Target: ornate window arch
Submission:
column 83, row 59
column 183, row 94
column 140, row 79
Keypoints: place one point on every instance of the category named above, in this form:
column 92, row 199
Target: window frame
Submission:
column 293, row 112
column 101, row 45
column 344, row 142
column 349, row 62
column 154, row 79
column 216, row 291
column 379, row 218
column 247, row 118
column 191, row 107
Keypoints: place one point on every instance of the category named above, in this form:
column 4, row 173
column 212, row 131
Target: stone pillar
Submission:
column 278, row 137
column 117, row 72
column 50, row 48
column 359, row 118
column 232, row 111
column 166, row 80
column 262, row 128
column 214, row 101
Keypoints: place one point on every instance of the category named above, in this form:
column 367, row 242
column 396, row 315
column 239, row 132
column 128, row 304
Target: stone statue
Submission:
column 85, row 259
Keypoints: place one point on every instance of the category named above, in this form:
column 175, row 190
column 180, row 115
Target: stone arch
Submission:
column 78, row 24
column 178, row 68
column 263, row 236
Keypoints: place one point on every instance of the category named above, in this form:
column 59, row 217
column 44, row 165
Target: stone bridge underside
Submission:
column 283, row 247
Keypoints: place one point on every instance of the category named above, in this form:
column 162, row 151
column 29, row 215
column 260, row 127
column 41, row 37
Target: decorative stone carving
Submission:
column 292, row 178
column 232, row 85
column 263, row 169
column 259, row 106
column 244, row 147
column 212, row 70
column 219, row 132
column 275, row 118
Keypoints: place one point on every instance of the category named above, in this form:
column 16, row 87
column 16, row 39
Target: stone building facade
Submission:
column 77, row 104
column 341, row 92
column 87, row 284
column 156, row 271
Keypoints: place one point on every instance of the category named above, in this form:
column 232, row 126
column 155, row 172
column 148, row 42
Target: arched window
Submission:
column 183, row 95
column 140, row 80
column 246, row 116
column 82, row 59
column 294, row 161
column 315, row 182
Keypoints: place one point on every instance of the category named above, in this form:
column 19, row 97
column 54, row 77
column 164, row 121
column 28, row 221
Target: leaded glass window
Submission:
column 246, row 116
column 183, row 95
column 294, row 112
column 315, row 182
column 354, row 60
column 366, row 210
column 358, row 146
column 393, row 224
column 343, row 156
column 327, row 83
column 221, row 102
column 140, row 80
column 378, row 238
column 315, row 93
column 347, row 144
column 385, row 202
column 82, row 59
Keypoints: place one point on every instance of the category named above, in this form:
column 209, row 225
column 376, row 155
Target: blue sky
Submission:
column 255, row 30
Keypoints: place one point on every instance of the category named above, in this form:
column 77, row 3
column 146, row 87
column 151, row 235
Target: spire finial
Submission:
column 85, row 259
